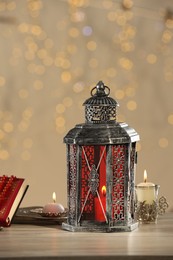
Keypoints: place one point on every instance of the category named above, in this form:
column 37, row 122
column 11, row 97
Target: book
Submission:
column 12, row 192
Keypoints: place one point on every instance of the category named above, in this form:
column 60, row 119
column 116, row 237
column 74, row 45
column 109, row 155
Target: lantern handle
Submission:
column 100, row 90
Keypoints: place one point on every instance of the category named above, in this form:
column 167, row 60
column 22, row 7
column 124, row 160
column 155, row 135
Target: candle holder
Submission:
column 48, row 214
column 54, row 214
column 148, row 212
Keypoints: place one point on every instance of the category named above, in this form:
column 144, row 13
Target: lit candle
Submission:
column 146, row 191
column 100, row 205
column 53, row 208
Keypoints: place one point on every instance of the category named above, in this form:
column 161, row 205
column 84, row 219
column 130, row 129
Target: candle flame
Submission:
column 54, row 197
column 104, row 190
column 145, row 176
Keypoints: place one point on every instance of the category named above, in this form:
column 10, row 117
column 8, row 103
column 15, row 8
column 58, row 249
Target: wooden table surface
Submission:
column 149, row 241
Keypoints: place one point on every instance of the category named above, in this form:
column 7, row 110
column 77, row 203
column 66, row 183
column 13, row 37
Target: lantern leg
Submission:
column 84, row 204
column 102, row 207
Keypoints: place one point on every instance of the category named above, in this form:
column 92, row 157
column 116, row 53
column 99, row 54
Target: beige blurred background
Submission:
column 52, row 53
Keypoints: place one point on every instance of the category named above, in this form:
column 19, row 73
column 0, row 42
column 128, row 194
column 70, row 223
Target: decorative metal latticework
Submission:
column 100, row 168
column 119, row 155
column 93, row 182
column 133, row 162
column 72, row 183
column 95, row 115
column 148, row 213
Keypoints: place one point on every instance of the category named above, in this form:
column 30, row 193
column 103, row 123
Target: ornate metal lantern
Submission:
column 100, row 168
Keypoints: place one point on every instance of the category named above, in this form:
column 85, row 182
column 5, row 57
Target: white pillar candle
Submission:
column 146, row 191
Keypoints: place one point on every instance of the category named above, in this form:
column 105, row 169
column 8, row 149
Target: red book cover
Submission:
column 12, row 191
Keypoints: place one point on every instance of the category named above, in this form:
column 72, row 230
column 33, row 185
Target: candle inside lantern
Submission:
column 146, row 191
column 104, row 191
column 100, row 205
column 54, row 208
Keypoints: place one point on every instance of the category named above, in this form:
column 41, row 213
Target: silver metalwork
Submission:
column 93, row 181
column 148, row 213
column 72, row 183
column 162, row 205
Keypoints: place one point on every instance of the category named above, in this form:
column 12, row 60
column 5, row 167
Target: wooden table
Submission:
column 149, row 241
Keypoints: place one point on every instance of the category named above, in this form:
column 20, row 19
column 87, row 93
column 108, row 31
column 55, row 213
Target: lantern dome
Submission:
column 100, row 108
column 101, row 125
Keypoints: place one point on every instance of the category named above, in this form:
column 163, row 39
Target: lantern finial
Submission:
column 100, row 90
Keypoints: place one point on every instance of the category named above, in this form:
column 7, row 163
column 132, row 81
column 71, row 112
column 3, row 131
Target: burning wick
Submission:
column 54, row 197
column 104, row 190
column 145, row 176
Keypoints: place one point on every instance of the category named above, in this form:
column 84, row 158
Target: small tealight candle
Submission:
column 146, row 191
column 53, row 209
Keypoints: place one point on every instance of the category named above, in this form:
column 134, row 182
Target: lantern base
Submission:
column 105, row 229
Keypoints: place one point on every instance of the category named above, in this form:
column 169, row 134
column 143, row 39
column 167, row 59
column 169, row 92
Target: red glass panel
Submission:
column 99, row 210
column 87, row 199
column 93, row 198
